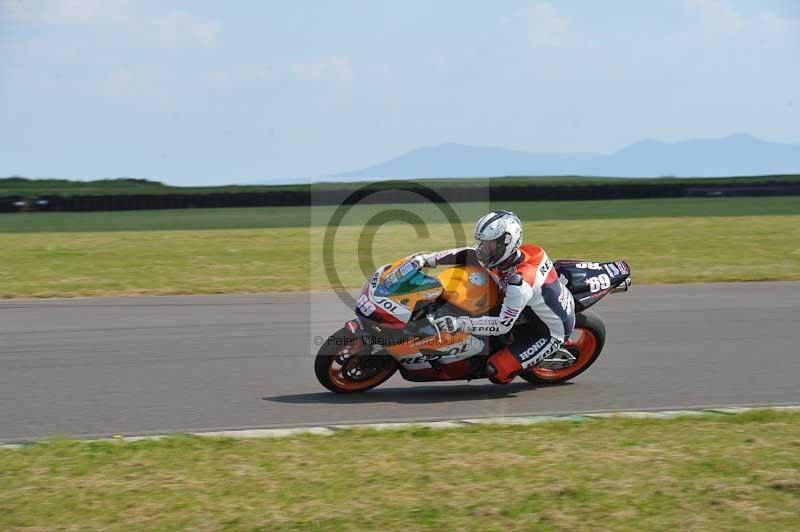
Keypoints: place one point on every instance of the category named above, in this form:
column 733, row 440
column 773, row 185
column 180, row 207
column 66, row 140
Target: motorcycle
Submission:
column 394, row 328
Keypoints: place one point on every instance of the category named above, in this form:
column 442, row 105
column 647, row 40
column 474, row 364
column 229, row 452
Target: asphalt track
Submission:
column 90, row 367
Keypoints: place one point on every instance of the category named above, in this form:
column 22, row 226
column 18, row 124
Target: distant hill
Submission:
column 735, row 155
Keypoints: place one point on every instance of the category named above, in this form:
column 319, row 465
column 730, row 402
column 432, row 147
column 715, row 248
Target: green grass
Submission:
column 717, row 473
column 280, row 249
column 659, row 250
column 272, row 217
column 19, row 186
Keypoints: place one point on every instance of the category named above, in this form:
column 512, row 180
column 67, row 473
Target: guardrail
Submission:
column 337, row 197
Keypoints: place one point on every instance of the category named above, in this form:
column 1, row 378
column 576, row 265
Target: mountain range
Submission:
column 733, row 155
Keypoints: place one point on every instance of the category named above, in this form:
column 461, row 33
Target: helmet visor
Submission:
column 490, row 251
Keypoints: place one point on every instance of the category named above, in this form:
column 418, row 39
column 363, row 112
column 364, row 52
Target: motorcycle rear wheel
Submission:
column 345, row 365
column 585, row 344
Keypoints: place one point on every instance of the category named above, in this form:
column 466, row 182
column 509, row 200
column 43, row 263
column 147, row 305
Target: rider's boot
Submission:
column 503, row 366
column 559, row 359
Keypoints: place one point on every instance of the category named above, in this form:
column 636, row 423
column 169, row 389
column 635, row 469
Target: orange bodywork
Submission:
column 392, row 268
column 470, row 288
column 413, row 345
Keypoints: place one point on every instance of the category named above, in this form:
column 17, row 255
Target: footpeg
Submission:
column 559, row 360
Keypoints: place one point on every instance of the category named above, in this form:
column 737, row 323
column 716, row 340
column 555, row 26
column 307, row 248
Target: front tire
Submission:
column 586, row 347
column 344, row 364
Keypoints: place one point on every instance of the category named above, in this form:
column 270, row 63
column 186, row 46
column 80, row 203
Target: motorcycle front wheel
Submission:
column 345, row 364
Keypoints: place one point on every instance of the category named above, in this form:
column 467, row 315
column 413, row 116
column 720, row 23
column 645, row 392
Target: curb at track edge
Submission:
column 326, row 430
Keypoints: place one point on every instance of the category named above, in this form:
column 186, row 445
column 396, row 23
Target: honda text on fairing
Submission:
column 396, row 327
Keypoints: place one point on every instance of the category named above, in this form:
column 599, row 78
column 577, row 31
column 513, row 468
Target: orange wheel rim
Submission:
column 585, row 345
column 337, row 376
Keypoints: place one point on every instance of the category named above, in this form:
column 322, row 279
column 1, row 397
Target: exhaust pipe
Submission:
column 624, row 287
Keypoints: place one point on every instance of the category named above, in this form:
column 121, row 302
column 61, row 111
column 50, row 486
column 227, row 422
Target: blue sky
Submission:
column 208, row 92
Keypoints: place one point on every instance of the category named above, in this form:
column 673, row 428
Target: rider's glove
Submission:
column 452, row 324
column 423, row 260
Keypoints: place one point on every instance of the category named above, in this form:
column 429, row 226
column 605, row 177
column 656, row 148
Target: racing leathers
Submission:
column 529, row 280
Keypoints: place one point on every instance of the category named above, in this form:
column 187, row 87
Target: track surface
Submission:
column 138, row 365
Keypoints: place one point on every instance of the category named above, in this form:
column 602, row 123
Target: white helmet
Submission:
column 498, row 236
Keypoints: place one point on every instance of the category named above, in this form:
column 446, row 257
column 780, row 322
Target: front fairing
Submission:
column 396, row 295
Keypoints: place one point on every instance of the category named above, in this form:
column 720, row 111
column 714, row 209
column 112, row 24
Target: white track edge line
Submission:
column 445, row 424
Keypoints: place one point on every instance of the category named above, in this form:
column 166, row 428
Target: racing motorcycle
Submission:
column 394, row 330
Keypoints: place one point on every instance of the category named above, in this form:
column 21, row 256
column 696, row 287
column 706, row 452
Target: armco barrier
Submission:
column 336, row 197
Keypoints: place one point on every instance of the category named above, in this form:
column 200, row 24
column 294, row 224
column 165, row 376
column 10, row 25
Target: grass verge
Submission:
column 660, row 250
column 711, row 473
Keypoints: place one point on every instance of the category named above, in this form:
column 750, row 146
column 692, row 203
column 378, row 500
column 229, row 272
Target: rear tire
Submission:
column 586, row 348
column 345, row 365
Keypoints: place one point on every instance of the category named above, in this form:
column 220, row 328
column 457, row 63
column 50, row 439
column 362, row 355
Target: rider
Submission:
column 527, row 278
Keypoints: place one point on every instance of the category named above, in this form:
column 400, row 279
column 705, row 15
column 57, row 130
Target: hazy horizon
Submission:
column 195, row 93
